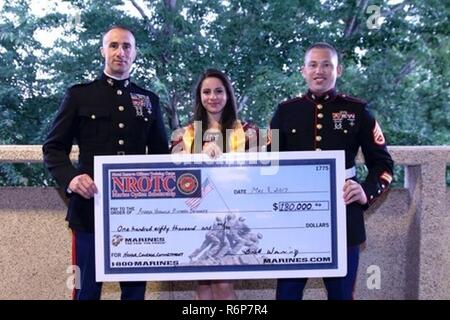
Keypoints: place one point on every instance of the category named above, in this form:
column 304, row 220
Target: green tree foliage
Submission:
column 394, row 55
column 25, row 98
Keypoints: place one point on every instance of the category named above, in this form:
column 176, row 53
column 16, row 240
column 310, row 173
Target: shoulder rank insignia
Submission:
column 378, row 136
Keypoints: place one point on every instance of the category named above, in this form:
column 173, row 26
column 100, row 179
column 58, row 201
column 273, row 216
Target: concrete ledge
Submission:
column 36, row 252
column 27, row 153
column 402, row 155
column 408, row 239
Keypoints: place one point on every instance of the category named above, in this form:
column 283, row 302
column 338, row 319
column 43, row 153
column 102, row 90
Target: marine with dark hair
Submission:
column 323, row 119
column 219, row 130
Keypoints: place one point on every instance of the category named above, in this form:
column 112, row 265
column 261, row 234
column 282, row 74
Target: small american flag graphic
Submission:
column 207, row 187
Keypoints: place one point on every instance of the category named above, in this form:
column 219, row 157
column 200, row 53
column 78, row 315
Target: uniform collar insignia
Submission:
column 327, row 96
column 124, row 83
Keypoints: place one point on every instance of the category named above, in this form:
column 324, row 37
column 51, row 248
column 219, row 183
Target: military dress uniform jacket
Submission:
column 104, row 117
column 338, row 122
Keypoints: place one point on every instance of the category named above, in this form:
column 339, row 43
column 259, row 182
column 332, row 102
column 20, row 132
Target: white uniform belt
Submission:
column 350, row 173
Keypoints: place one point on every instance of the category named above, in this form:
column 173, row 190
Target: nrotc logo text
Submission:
column 147, row 184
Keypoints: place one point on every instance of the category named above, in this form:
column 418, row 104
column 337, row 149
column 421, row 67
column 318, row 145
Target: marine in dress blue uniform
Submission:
column 334, row 121
column 104, row 117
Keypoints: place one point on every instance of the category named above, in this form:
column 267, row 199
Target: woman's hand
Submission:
column 212, row 150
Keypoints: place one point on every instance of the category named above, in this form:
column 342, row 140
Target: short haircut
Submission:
column 323, row 45
column 118, row 26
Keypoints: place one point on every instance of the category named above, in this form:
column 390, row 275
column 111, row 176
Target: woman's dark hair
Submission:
column 229, row 114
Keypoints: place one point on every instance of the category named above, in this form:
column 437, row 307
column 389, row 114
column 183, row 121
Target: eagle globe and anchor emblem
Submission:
column 187, row 183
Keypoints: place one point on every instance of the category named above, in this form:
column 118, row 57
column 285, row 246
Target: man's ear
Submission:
column 302, row 71
column 339, row 70
column 136, row 52
column 102, row 51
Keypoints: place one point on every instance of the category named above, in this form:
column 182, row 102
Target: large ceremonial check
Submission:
column 241, row 216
